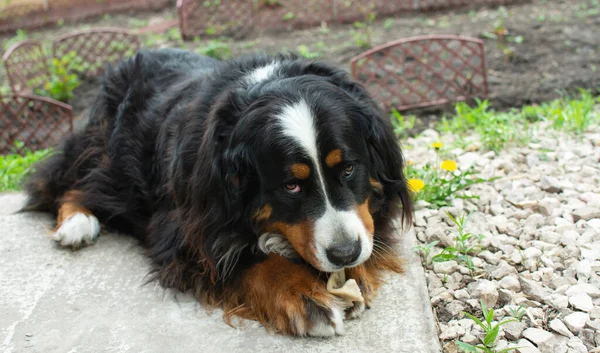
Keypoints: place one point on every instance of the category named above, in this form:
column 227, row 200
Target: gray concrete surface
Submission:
column 94, row 300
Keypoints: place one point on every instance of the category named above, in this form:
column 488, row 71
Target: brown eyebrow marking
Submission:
column 300, row 171
column 333, row 158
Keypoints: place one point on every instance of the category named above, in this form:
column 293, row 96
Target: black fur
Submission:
column 181, row 153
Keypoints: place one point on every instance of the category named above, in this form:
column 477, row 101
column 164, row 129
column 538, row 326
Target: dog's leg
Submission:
column 289, row 298
column 76, row 225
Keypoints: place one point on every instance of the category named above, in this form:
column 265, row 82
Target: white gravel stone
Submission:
column 486, row 291
column 558, row 326
column 576, row 321
column 502, row 270
column 450, row 332
column 537, row 336
column 510, row 283
column 491, row 258
column 594, row 223
column 532, row 253
column 576, row 346
column 455, row 308
column 595, row 313
column 569, row 237
column 446, row 267
column 586, row 288
column 584, row 269
column 550, row 184
column 533, row 290
column 461, row 294
column 526, row 347
column 586, row 213
column 581, row 301
column 513, row 330
column 558, row 301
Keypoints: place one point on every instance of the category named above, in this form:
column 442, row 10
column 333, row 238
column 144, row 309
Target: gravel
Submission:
column 541, row 250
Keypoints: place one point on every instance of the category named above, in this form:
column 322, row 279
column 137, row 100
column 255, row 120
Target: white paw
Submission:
column 356, row 311
column 328, row 325
column 77, row 230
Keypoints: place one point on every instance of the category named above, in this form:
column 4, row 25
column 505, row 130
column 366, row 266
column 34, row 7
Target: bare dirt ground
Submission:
column 557, row 52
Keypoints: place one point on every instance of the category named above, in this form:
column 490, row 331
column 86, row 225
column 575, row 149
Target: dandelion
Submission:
column 410, row 162
column 436, row 145
column 449, row 165
column 415, row 185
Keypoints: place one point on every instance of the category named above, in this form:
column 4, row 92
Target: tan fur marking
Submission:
column 263, row 214
column 300, row 235
column 300, row 171
column 273, row 293
column 69, row 207
column 376, row 185
column 366, row 217
column 333, row 158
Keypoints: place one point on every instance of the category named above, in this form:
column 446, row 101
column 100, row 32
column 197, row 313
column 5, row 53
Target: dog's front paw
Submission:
column 324, row 319
column 291, row 299
column 77, row 230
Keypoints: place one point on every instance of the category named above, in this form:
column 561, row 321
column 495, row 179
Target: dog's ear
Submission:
column 385, row 155
column 212, row 198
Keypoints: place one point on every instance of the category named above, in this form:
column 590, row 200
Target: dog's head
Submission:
column 302, row 151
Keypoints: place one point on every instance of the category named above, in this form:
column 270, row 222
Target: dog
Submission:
column 199, row 158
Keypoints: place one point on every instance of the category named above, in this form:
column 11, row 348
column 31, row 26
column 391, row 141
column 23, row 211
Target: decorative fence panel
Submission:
column 38, row 122
column 26, row 66
column 97, row 47
column 423, row 71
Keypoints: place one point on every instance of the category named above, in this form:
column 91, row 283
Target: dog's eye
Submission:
column 348, row 171
column 292, row 188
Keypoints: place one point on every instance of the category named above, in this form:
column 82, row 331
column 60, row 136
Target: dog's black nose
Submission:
column 343, row 253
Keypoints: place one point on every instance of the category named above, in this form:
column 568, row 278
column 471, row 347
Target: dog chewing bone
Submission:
column 337, row 284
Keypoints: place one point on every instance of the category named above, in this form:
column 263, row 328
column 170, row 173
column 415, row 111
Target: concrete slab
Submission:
column 94, row 300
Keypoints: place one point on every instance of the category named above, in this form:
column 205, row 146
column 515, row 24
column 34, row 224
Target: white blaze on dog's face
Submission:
column 320, row 202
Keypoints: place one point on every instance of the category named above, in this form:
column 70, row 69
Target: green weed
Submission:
column 14, row 167
column 495, row 129
column 465, row 244
column 305, row 52
column 491, row 333
column 63, row 77
column 402, row 125
column 362, row 34
column 571, row 114
column 216, row 49
column 425, row 251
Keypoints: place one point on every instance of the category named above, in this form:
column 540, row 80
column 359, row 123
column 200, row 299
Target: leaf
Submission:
column 477, row 321
column 465, row 347
column 490, row 338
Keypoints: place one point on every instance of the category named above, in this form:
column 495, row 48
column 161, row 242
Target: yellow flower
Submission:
column 415, row 185
column 437, row 145
column 410, row 162
column 449, row 165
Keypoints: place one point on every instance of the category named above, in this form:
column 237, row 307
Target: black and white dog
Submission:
column 198, row 158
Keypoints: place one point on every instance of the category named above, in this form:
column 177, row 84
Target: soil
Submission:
column 559, row 52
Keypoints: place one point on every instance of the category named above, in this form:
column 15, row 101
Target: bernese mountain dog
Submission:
column 199, row 158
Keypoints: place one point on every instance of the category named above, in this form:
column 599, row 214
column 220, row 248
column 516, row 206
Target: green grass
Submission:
column 15, row 167
column 498, row 130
